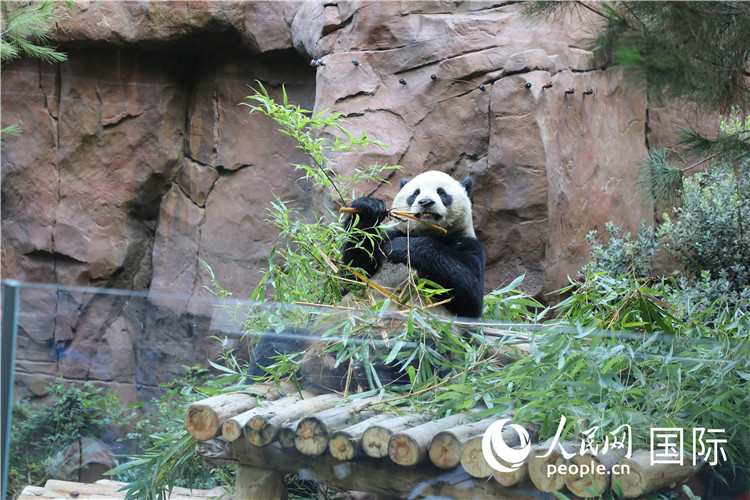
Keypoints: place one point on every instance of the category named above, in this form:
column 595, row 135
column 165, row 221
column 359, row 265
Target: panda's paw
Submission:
column 371, row 211
column 396, row 249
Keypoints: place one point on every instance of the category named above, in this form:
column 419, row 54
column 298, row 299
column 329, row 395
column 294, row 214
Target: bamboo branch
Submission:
column 396, row 214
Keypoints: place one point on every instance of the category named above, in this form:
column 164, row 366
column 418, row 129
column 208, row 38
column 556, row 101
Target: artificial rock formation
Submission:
column 137, row 159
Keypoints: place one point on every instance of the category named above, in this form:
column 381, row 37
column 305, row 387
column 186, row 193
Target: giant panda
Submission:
column 388, row 253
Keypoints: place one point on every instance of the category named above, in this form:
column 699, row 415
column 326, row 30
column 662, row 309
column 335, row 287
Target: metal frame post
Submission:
column 10, row 292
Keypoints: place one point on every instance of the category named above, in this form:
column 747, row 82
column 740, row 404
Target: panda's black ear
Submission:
column 468, row 185
column 403, row 183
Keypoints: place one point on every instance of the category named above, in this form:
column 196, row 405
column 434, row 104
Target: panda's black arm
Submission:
column 361, row 250
column 456, row 263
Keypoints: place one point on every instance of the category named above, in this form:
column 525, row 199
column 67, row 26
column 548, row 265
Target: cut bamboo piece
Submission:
column 311, row 436
column 542, row 470
column 375, row 439
column 638, row 476
column 346, row 444
column 203, row 419
column 409, row 446
column 264, row 426
column 445, row 447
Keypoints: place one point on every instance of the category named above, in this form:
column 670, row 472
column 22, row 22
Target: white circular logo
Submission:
column 493, row 444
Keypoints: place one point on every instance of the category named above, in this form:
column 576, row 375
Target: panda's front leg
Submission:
column 360, row 249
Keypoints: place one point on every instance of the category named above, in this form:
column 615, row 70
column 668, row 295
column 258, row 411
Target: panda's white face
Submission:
column 439, row 199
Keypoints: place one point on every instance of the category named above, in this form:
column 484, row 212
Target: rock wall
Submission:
column 137, row 159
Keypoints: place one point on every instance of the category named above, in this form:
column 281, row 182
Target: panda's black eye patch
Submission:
column 410, row 199
column 444, row 197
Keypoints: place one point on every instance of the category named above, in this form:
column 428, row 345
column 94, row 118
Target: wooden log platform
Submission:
column 358, row 445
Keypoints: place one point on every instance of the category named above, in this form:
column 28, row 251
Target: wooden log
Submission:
column 471, row 456
column 594, row 470
column 375, row 439
column 381, row 477
column 105, row 488
column 472, row 459
column 346, row 444
column 511, row 478
column 311, row 436
column 232, row 428
column 540, row 466
column 583, row 477
column 409, row 446
column 287, row 434
column 638, row 476
column 253, row 484
column 445, row 446
column 203, row 419
column 263, row 426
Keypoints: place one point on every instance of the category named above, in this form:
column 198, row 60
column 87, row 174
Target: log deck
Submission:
column 392, row 455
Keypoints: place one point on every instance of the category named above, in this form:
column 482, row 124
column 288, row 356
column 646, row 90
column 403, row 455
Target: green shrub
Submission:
column 711, row 228
column 169, row 457
column 621, row 254
column 38, row 433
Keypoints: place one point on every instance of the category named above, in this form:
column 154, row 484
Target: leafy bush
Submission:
column 710, row 231
column 169, row 458
column 621, row 254
column 37, row 433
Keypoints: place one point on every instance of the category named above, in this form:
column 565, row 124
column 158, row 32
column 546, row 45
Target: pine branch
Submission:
column 25, row 32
